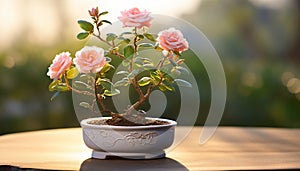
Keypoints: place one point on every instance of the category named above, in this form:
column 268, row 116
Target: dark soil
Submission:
column 148, row 122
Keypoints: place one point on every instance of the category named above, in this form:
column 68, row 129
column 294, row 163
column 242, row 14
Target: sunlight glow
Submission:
column 271, row 3
column 10, row 21
column 286, row 76
column 293, row 85
column 40, row 21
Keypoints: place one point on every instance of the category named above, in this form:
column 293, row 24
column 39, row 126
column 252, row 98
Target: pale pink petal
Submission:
column 59, row 65
column 89, row 59
column 135, row 18
column 172, row 39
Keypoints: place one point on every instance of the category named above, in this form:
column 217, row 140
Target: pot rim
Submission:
column 84, row 124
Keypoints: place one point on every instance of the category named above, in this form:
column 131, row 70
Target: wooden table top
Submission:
column 231, row 148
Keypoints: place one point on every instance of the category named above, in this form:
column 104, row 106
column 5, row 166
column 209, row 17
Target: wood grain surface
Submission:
column 231, row 148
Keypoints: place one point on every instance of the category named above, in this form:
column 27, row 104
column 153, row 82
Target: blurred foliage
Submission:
column 258, row 46
column 25, row 102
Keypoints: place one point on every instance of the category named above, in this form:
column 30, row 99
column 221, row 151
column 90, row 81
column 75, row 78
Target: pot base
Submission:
column 104, row 155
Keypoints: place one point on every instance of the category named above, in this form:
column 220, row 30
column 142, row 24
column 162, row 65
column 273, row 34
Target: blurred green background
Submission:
column 258, row 42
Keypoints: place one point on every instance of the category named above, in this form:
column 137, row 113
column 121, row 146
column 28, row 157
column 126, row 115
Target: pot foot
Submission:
column 104, row 155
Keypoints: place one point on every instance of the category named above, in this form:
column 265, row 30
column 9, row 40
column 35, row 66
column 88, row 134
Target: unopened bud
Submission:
column 94, row 12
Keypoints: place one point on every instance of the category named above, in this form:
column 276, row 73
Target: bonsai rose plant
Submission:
column 162, row 75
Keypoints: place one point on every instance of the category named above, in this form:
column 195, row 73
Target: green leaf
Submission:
column 145, row 45
column 111, row 37
column 53, row 84
column 168, row 86
column 180, row 61
column 166, row 62
column 148, row 66
column 138, row 62
column 82, row 85
column 58, row 86
column 175, row 71
column 156, row 47
column 82, row 35
column 128, row 51
column 147, row 61
column 168, row 78
column 108, row 59
column 122, row 82
column 182, row 70
column 125, row 62
column 149, row 37
column 133, row 74
column 126, row 32
column 72, row 73
column 103, row 13
column 87, row 78
column 106, row 84
column 85, row 105
column 106, row 68
column 106, row 21
column 140, row 37
column 123, row 73
column 182, row 83
column 155, row 77
column 62, row 87
column 142, row 61
column 87, row 26
column 144, row 81
column 111, row 92
column 124, row 41
column 162, row 88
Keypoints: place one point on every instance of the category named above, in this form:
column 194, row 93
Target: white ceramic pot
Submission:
column 134, row 142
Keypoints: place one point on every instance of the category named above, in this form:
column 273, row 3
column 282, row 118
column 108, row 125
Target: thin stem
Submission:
column 144, row 97
column 100, row 38
column 112, row 45
column 99, row 98
column 161, row 62
column 93, row 106
column 96, row 21
column 135, row 50
column 119, row 55
column 80, row 92
column 137, row 87
column 135, row 41
column 135, row 80
column 141, row 101
column 74, row 89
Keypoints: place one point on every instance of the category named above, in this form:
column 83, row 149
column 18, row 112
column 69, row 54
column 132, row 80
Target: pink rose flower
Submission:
column 173, row 40
column 89, row 59
column 59, row 65
column 135, row 18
